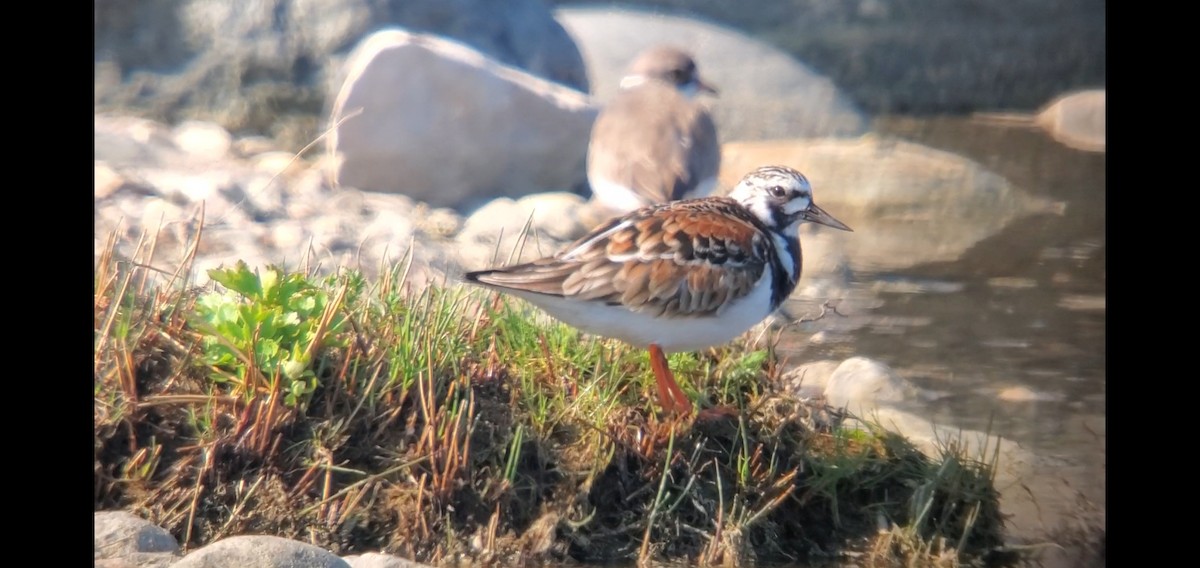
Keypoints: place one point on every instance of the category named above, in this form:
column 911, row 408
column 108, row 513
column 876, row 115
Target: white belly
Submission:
column 672, row 334
column 620, row 198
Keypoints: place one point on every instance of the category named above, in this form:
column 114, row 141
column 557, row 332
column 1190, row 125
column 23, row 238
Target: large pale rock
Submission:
column 118, row 534
column 259, row 551
column 908, row 204
column 764, row 93
column 444, row 124
column 1077, row 119
column 266, row 67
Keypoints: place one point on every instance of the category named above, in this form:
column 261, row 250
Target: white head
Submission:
column 669, row 64
column 781, row 198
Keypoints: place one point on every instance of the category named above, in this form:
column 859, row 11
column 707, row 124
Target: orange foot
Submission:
column 670, row 396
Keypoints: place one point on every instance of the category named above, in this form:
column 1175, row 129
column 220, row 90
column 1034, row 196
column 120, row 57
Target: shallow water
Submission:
column 1011, row 336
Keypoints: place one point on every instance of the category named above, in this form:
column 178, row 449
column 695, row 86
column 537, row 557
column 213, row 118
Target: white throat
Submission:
column 688, row 90
column 631, row 81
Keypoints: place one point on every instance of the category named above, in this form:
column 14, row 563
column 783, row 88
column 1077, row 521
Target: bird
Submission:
column 678, row 276
column 654, row 142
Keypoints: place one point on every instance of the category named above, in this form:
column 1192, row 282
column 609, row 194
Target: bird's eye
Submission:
column 777, row 191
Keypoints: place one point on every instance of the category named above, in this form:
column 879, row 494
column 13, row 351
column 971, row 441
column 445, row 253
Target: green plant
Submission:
column 263, row 331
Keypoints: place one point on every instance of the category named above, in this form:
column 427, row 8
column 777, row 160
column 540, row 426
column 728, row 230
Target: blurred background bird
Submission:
column 654, row 142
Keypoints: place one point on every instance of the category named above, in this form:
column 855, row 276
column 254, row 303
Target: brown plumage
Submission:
column 686, row 258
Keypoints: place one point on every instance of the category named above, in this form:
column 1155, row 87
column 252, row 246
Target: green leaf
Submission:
column 240, row 279
column 269, row 279
column 293, row 370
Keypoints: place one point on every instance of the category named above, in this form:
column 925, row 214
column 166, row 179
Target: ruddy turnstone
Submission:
column 653, row 142
column 678, row 276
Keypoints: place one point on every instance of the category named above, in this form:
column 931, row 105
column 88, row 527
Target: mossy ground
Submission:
column 452, row 425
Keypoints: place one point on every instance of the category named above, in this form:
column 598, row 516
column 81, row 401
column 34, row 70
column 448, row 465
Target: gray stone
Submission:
column 560, row 215
column 259, row 551
column 764, row 93
column 809, row 379
column 106, row 180
column 247, row 146
column 1022, row 393
column 129, row 141
column 1083, row 302
column 287, row 234
column 119, row 534
column 444, row 124
column 203, row 140
column 1077, row 120
column 275, row 162
column 441, row 222
column 157, row 212
column 860, row 383
column 496, row 229
column 266, row 67
column 934, row 439
column 908, row 204
column 139, row 560
column 377, row 560
column 494, row 232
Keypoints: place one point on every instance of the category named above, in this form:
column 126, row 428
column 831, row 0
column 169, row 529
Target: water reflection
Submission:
column 1011, row 334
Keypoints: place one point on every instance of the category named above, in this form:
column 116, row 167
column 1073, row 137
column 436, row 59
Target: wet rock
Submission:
column 859, row 382
column 776, row 97
column 1011, row 282
column 826, row 256
column 446, row 125
column 809, row 379
column 1026, row 394
column 934, row 439
column 1083, row 302
column 256, row 551
column 908, row 204
column 1076, row 120
column 118, row 534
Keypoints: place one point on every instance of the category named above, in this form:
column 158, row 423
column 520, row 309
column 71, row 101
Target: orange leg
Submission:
column 671, row 397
